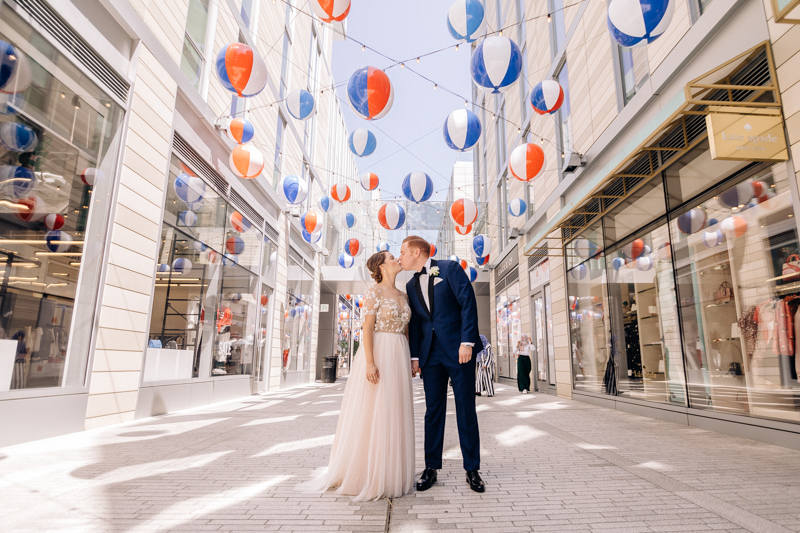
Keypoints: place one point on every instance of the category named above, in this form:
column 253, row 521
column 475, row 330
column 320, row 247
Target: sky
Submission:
column 403, row 31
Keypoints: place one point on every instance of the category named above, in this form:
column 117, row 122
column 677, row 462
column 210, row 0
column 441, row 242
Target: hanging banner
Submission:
column 752, row 135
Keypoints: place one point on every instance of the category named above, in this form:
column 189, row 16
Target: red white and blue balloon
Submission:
column 382, row 247
column 58, row 241
column 639, row 22
column 15, row 70
column 496, row 64
column 462, row 130
column 340, row 192
column 353, row 247
column 17, row 181
column 370, row 181
column 712, row 239
column 229, row 260
column 370, row 93
column 579, row 272
column 330, row 10
column 187, row 219
column 391, row 216
column 239, row 222
column 18, row 137
column 737, row 196
column 466, row 20
column 481, row 261
column 301, row 104
column 246, row 161
column 54, row 221
column 584, row 248
column 547, row 97
column 241, row 70
column 349, row 220
column 11, row 104
column 463, row 212
column 92, row 175
column 362, row 142
column 325, row 203
column 312, row 237
column 234, row 245
column 190, row 189
column 417, row 187
column 472, row 272
column 527, row 162
column 517, row 207
column 634, row 249
column 692, row 221
column 433, row 249
column 293, row 189
column 481, row 245
column 310, row 222
column 240, row 130
column 346, row 261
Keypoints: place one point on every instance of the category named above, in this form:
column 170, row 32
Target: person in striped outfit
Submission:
column 485, row 378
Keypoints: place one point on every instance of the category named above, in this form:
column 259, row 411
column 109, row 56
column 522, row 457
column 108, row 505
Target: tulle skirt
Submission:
column 373, row 451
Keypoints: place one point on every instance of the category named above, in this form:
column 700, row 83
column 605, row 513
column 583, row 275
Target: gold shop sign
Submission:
column 749, row 134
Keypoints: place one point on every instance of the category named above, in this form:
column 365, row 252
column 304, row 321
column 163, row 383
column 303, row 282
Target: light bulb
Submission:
column 417, row 60
column 456, row 48
column 435, row 86
column 402, row 65
column 548, row 18
column 363, row 48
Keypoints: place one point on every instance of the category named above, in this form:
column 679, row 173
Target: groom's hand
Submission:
column 464, row 354
column 414, row 368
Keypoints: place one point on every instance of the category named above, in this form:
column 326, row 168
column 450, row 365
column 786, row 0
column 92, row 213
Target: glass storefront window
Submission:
column 299, row 317
column 59, row 142
column 509, row 331
column 263, row 338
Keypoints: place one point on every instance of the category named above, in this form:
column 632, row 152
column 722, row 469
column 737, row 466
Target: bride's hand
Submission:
column 373, row 375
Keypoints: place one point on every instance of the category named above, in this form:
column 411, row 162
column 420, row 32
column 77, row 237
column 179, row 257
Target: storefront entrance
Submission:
column 542, row 352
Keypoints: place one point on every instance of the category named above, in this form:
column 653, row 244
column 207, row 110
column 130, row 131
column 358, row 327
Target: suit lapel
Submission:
column 430, row 286
column 420, row 297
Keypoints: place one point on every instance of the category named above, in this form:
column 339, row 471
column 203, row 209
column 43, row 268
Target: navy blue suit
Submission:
column 435, row 337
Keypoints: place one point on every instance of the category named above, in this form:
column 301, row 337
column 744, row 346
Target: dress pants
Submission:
column 441, row 367
column 523, row 373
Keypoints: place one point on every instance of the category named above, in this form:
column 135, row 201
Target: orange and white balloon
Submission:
column 330, row 10
column 527, row 162
column 246, row 161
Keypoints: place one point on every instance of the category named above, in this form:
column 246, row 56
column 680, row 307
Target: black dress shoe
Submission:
column 427, row 479
column 475, row 481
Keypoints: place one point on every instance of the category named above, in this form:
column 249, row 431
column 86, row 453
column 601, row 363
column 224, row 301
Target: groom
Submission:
column 443, row 335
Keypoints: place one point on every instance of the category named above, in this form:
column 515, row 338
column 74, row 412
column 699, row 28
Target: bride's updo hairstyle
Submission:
column 374, row 265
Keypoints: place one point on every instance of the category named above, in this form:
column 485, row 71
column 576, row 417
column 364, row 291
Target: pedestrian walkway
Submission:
column 549, row 464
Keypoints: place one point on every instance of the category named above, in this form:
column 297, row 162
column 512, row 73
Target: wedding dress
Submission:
column 373, row 451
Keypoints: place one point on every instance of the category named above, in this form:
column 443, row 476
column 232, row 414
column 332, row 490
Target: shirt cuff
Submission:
column 415, row 358
column 470, row 344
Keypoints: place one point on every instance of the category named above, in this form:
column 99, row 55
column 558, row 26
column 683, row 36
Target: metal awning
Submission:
column 746, row 83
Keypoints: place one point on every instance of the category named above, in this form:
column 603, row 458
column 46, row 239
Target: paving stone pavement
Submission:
column 549, row 464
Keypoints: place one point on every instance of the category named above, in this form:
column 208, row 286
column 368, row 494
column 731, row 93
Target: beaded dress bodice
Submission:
column 391, row 316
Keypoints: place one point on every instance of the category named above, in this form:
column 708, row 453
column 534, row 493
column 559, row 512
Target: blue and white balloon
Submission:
column 382, row 247
column 692, row 221
column 293, row 190
column 18, row 137
column 472, row 272
column 228, row 260
column 312, row 237
column 300, row 104
column 481, row 245
column 182, row 266
column 645, row 263
column 362, row 142
column 58, row 241
column 738, row 195
column 462, row 129
column 325, row 203
column 15, row 69
column 584, row 248
column 466, row 20
column 17, row 181
column 163, row 268
column 190, row 189
column 349, row 220
column 496, row 64
column 517, row 207
column 579, row 272
column 418, row 187
column 617, row 263
column 639, row 22
column 187, row 219
column 346, row 261
column 712, row 239
column 11, row 104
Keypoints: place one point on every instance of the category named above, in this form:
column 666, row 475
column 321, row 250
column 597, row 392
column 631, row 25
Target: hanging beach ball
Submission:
column 241, row 70
column 312, row 237
column 199, row 246
column 646, row 250
column 617, row 263
column 472, row 272
column 362, row 142
column 463, row 212
column 692, row 221
column 15, row 69
column 767, row 199
column 264, row 299
column 759, row 188
column 16, row 181
column 11, row 104
column 325, row 203
column 188, row 188
column 382, row 247
column 54, row 221
column 527, row 162
column 293, row 190
column 369, row 180
column 417, row 187
column 734, row 227
column 31, row 209
column 340, row 192
column 463, row 264
column 311, row 222
column 240, row 130
column 547, row 97
column 584, row 248
column 481, row 245
column 212, row 257
column 579, row 272
column 712, row 239
column 353, row 247
column 330, row 10
column 496, row 64
column 349, row 220
column 517, row 207
column 454, row 258
column 234, row 245
column 462, row 129
column 638, row 22
column 182, row 265
column 246, row 161
column 465, row 20
column 645, row 263
column 18, row 137
column 90, row 176
column 163, row 268
column 187, row 219
column 58, row 241
column 433, row 249
column 228, row 260
column 738, row 195
column 239, row 222
column 346, row 261
column 480, row 261
column 633, row 249
column 391, row 216
column 370, row 93
column 463, row 230
column 300, row 104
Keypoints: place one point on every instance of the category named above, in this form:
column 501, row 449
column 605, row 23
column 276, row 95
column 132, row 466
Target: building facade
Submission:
column 141, row 275
column 655, row 265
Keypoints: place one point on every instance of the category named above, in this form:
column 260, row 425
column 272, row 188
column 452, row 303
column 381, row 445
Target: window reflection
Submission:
column 509, row 331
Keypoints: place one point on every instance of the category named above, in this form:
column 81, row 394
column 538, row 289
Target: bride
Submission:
column 373, row 450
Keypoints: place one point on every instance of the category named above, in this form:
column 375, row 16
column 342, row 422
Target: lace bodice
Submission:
column 391, row 316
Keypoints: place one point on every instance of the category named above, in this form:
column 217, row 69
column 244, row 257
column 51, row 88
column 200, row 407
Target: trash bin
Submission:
column 329, row 369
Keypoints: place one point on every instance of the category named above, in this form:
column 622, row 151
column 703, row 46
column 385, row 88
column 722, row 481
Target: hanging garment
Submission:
column 749, row 329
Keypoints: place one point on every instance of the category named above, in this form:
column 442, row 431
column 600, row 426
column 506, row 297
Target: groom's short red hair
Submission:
column 418, row 243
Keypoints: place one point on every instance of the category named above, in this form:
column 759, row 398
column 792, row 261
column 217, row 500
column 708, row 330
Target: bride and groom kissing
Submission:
column 431, row 329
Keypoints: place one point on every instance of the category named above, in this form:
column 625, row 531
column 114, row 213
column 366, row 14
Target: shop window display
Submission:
column 299, row 317
column 59, row 142
column 509, row 331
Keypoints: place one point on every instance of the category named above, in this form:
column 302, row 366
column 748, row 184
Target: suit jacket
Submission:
column 453, row 317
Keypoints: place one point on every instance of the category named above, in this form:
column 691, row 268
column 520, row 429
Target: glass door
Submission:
column 539, row 339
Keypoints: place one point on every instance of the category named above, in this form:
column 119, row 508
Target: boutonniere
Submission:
column 434, row 271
